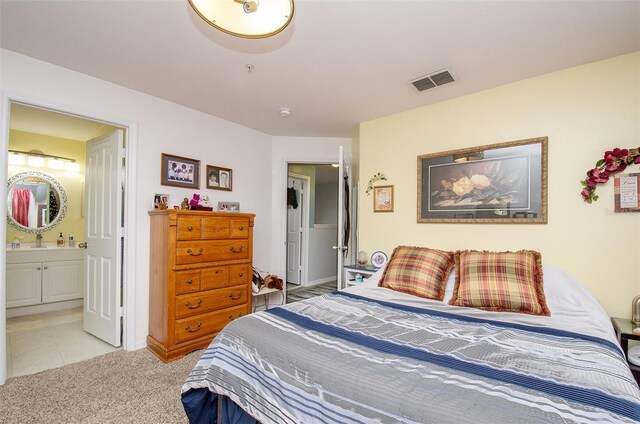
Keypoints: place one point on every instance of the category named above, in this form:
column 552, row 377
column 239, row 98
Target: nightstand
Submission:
column 624, row 332
column 350, row 272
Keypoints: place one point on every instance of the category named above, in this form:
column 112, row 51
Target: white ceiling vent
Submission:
column 435, row 79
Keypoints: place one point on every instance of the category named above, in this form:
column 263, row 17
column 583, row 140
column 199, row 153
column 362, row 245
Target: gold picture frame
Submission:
column 383, row 198
column 503, row 183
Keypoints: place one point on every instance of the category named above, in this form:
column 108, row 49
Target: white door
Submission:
column 340, row 247
column 294, row 232
column 103, row 196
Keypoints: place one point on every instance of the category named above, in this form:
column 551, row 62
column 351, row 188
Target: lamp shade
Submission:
column 246, row 19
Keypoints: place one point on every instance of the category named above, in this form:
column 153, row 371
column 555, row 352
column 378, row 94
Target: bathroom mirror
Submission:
column 36, row 202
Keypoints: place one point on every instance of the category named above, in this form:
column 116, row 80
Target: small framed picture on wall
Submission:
column 383, row 198
column 219, row 178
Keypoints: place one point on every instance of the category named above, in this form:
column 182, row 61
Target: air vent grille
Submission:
column 435, row 79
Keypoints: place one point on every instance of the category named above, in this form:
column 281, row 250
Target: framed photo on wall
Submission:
column 383, row 198
column 626, row 193
column 504, row 183
column 178, row 171
column 219, row 178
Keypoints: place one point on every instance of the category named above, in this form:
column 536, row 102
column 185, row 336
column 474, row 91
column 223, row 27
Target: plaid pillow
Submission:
column 418, row 271
column 500, row 281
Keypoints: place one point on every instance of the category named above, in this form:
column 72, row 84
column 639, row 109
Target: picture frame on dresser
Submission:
column 178, row 171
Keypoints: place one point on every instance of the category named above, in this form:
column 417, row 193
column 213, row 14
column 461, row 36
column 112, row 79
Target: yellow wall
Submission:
column 73, row 222
column 584, row 111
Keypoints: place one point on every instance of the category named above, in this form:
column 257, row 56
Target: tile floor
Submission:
column 43, row 341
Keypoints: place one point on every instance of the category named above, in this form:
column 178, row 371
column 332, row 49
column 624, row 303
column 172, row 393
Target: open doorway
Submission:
column 312, row 222
column 50, row 283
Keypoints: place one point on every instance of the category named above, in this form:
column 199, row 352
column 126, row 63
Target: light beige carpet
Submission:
column 119, row 387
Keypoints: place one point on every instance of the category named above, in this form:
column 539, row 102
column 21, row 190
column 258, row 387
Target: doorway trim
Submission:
column 304, row 262
column 129, row 213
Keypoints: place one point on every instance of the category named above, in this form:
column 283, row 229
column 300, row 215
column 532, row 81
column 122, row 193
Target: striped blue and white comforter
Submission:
column 366, row 356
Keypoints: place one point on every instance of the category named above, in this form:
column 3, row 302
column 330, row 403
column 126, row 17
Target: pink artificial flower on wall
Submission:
column 613, row 162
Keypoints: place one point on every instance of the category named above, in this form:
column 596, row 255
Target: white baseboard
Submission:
column 44, row 307
column 320, row 281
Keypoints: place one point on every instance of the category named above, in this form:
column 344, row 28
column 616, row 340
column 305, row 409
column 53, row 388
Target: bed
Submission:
column 371, row 354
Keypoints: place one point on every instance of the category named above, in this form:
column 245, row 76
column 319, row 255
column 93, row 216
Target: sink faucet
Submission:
column 38, row 240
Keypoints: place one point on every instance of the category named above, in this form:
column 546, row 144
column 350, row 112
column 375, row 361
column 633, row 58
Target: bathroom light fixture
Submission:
column 36, row 159
column 246, row 18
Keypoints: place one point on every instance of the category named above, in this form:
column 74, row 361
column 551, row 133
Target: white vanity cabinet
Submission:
column 44, row 276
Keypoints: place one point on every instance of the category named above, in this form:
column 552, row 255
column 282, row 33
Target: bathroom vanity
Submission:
column 39, row 276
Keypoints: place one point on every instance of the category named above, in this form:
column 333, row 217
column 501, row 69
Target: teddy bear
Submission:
column 195, row 201
column 204, row 201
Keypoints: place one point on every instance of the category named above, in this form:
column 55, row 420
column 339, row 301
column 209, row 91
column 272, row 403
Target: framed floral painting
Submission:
column 497, row 183
column 383, row 198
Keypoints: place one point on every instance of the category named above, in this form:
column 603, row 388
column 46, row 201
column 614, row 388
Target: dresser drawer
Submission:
column 188, row 228
column 211, row 300
column 215, row 278
column 187, row 281
column 239, row 228
column 191, row 252
column 201, row 325
column 239, row 274
column 215, row 228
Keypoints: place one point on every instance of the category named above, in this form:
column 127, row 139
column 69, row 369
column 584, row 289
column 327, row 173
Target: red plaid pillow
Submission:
column 500, row 281
column 418, row 271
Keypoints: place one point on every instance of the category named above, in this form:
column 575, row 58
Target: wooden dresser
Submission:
column 199, row 279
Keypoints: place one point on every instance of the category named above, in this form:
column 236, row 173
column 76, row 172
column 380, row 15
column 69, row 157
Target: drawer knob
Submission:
column 46, row 267
column 231, row 317
column 190, row 228
column 233, row 249
column 241, row 228
column 217, row 272
column 189, row 251
column 37, row 268
column 190, row 306
column 189, row 281
column 232, row 297
column 190, row 330
column 241, row 274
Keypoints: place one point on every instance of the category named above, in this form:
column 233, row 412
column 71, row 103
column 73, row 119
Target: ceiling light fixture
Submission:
column 246, row 18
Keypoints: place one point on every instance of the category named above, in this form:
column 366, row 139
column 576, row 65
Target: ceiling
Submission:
column 338, row 64
column 40, row 121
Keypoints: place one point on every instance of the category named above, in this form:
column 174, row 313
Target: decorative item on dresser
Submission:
column 199, row 279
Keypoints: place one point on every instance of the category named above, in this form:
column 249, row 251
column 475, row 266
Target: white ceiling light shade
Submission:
column 246, row 19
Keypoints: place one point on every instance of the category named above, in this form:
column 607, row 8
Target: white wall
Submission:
column 295, row 150
column 326, row 203
column 162, row 127
column 323, row 260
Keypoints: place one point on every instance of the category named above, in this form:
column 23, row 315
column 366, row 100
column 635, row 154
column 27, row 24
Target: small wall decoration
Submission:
column 219, row 178
column 383, row 198
column 627, row 193
column 613, row 162
column 160, row 201
column 377, row 177
column 496, row 183
column 178, row 171
column 229, row 206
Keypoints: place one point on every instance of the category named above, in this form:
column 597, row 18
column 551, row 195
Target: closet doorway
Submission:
column 84, row 316
column 311, row 228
